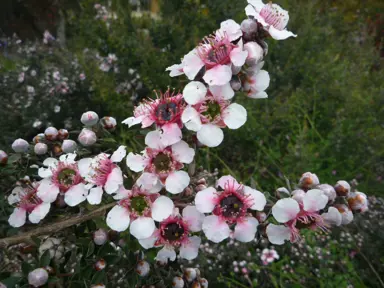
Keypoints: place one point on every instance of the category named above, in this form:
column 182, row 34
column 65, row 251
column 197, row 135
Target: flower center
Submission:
column 274, row 15
column 219, row 55
column 173, row 231
column 162, row 162
column 66, row 176
column 166, row 112
column 213, row 109
column 231, row 206
column 139, row 204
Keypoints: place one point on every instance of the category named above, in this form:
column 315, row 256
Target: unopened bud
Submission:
column 357, row 201
column 39, row 138
column 202, row 181
column 100, row 237
column 298, row 195
column 328, row 190
column 188, row 191
column 196, row 284
column 282, row 192
column 177, row 282
column 3, row 158
column 51, row 133
column 38, row 277
column 63, row 134
column 255, row 53
column 50, row 270
column 87, row 137
column 308, row 180
column 346, row 213
column 40, row 148
column 203, row 283
column 143, row 268
column 100, row 265
column 98, row 286
column 57, row 149
column 69, row 146
column 200, row 187
column 235, row 84
column 249, row 26
column 20, row 146
column 261, row 216
column 190, row 274
column 108, row 123
column 342, row 188
column 89, row 118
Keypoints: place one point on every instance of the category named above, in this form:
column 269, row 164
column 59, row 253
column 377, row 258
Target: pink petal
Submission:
column 182, row 152
column 193, row 217
column 278, row 234
column 245, row 231
column 285, row 210
column 215, row 229
column 218, row 75
column 190, row 250
column 205, row 200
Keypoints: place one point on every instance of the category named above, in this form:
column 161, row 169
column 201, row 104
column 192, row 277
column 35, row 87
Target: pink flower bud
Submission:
column 178, row 282
column 196, row 284
column 63, row 134
column 89, row 118
column 51, row 133
column 308, row 180
column 69, row 146
column 255, row 53
column 298, row 195
column 235, row 84
column 249, row 26
column 40, row 148
column 108, row 123
column 39, row 138
column 100, row 237
column 328, row 190
column 190, row 274
column 346, row 213
column 200, row 187
column 244, row 270
column 357, row 201
column 342, row 188
column 20, row 146
column 38, row 277
column 202, row 181
column 82, row 76
column 143, row 268
column 203, row 283
column 261, row 216
column 3, row 158
column 87, row 137
column 100, row 265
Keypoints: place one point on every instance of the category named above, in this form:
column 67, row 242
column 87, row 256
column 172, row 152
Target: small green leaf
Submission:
column 11, row 281
column 91, row 248
column 14, row 158
column 45, row 259
column 98, row 277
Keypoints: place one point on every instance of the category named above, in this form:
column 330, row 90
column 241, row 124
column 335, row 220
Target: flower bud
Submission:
column 51, row 133
column 177, row 282
column 39, row 138
column 255, row 53
column 346, row 213
column 108, row 123
column 235, row 84
column 261, row 216
column 87, row 137
column 100, row 237
column 282, row 192
column 188, row 191
column 203, row 283
column 143, row 268
column 298, row 195
column 328, row 190
column 308, row 180
column 20, row 146
column 100, row 265
column 3, row 158
column 249, row 26
column 49, row 269
column 196, row 284
column 38, row 277
column 89, row 118
column 201, row 181
column 63, row 134
column 342, row 188
column 98, row 286
column 200, row 187
column 190, row 274
column 57, row 149
column 40, row 148
column 357, row 201
column 69, row 146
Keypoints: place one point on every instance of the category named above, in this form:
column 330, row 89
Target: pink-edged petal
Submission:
column 234, row 116
column 238, row 56
column 177, row 181
column 258, row 198
column 84, row 166
column 162, row 208
column 314, row 200
column 280, row 34
column 227, row 180
column 222, row 92
column 118, row 218
column 39, row 212
column 136, row 162
column 171, row 134
column 133, row 120
column 175, row 70
column 210, row 135
column 260, row 81
column 191, row 119
column 95, row 195
column 44, row 172
column 153, row 140
column 245, row 231
column 75, row 195
column 168, row 252
column 332, row 217
column 15, row 195
column 218, row 75
column 17, row 218
column 150, row 241
column 205, row 200
column 114, row 181
column 193, row 217
column 142, row 227
column 149, row 182
column 119, row 154
column 194, row 92
column 285, row 210
column 278, row 234
column 192, row 64
column 121, row 193
column 182, row 152
column 215, row 229
column 257, row 4
column 231, row 29
column 47, row 191
column 298, row 195
column 190, row 250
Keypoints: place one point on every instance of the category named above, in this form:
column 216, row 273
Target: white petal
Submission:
column 260, row 81
column 210, row 135
column 114, row 181
column 257, row 4
column 182, row 152
column 232, row 29
column 68, row 158
column 258, row 198
column 277, row 234
column 16, row 195
column 215, row 229
column 280, row 34
column 234, row 116
column 227, row 180
column 153, row 140
column 171, row 134
column 17, row 218
column 75, row 195
column 39, row 212
column 285, row 210
column 245, row 231
column 162, row 208
column 193, row 217
column 194, row 92
column 47, row 191
column 133, row 120
column 50, row 162
column 192, row 64
column 119, row 154
column 222, row 92
column 218, row 75
column 177, row 181
column 314, row 200
column 238, row 56
column 95, row 195
column 142, row 227
column 136, row 162
column 149, row 182
column 166, row 253
column 84, row 166
column 44, row 172
column 118, row 218
column 190, row 250
column 258, row 95
column 149, row 242
column 121, row 193
column 175, row 70
column 332, row 217
column 205, row 200
column 191, row 119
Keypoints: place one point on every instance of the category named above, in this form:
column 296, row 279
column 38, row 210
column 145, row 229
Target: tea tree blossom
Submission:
column 256, row 81
column 229, row 205
column 357, row 201
column 269, row 256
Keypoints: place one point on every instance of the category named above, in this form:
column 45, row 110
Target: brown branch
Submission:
column 54, row 227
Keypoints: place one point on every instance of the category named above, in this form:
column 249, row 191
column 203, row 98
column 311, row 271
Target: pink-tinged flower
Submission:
column 332, row 217
column 102, row 172
column 328, row 190
column 174, row 233
column 165, row 112
column 230, row 205
column 256, row 81
column 272, row 17
column 269, row 256
column 342, row 188
column 308, row 181
column 296, row 216
column 26, row 201
column 139, row 209
column 62, row 177
column 162, row 165
column 346, row 213
column 357, row 201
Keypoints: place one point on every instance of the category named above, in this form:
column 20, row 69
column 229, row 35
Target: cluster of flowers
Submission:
column 104, row 14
